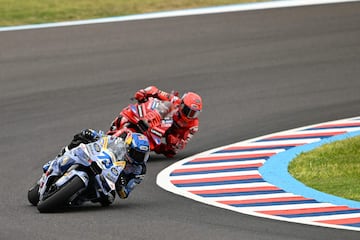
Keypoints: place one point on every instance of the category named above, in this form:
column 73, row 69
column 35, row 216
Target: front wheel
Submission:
column 60, row 197
column 33, row 194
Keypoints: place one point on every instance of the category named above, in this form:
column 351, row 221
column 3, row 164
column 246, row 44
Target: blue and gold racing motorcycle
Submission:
column 87, row 173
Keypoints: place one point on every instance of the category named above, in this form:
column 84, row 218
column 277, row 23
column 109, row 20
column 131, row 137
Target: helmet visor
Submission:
column 188, row 112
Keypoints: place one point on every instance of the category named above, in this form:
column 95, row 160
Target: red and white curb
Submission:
column 229, row 177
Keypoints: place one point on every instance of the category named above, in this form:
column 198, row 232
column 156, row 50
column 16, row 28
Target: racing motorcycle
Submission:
column 70, row 182
column 151, row 118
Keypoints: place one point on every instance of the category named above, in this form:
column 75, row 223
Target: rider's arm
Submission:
column 152, row 91
column 86, row 136
column 127, row 182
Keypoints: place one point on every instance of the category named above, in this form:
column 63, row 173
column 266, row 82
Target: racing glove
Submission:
column 90, row 135
column 140, row 96
column 143, row 94
column 85, row 136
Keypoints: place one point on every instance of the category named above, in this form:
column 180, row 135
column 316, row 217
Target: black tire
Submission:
column 33, row 194
column 61, row 196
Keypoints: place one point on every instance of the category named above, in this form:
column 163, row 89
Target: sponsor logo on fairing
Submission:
column 154, row 104
column 140, row 111
column 157, row 133
column 115, row 171
column 97, row 147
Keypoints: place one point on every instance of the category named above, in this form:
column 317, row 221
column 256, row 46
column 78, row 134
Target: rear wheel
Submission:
column 60, row 196
column 33, row 194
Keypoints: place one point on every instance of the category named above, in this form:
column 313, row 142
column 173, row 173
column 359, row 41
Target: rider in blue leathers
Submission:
column 133, row 148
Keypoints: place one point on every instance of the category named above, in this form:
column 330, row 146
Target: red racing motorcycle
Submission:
column 151, row 118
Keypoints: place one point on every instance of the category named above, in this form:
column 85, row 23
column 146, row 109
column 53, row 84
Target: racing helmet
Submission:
column 117, row 149
column 190, row 106
column 138, row 148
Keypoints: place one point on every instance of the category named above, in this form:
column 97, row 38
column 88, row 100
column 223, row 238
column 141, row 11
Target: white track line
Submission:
column 179, row 13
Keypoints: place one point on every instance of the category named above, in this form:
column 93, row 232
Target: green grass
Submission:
column 20, row 12
column 333, row 168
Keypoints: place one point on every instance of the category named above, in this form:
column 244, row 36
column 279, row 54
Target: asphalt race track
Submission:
column 258, row 72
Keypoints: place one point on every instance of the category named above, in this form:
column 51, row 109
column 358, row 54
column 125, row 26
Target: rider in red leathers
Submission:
column 185, row 118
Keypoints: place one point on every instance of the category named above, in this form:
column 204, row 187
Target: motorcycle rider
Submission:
column 133, row 148
column 185, row 118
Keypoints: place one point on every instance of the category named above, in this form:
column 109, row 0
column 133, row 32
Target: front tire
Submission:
column 33, row 194
column 60, row 197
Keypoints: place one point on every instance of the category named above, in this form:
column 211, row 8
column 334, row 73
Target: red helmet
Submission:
column 191, row 106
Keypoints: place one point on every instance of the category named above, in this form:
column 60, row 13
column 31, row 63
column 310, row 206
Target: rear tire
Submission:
column 59, row 198
column 33, row 194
